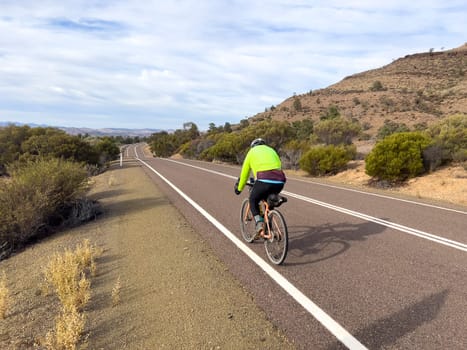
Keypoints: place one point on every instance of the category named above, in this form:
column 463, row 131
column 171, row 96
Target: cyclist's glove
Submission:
column 237, row 192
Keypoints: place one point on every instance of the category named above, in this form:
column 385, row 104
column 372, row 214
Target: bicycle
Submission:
column 275, row 233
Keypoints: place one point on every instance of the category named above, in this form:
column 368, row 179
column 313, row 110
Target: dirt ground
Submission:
column 175, row 293
column 448, row 184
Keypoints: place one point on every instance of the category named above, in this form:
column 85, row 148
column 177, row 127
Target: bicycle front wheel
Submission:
column 247, row 222
column 277, row 246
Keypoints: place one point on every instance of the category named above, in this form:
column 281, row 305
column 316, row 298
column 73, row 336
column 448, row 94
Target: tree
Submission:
column 11, row 138
column 302, row 129
column 336, row 131
column 331, row 113
column 107, row 149
column 291, row 153
column 450, row 135
column 192, row 130
column 390, row 127
column 227, row 127
column 297, row 105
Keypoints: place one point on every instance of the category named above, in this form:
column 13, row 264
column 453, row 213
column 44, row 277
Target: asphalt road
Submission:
column 363, row 270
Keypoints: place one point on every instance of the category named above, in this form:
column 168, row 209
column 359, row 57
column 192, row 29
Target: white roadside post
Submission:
column 121, row 159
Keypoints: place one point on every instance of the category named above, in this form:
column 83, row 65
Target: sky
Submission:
column 159, row 64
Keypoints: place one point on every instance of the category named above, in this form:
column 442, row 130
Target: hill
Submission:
column 417, row 89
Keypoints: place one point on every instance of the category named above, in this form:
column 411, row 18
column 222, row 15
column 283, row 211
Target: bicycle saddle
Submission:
column 275, row 200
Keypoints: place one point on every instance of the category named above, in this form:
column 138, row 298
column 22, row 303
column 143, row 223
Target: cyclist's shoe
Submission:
column 259, row 229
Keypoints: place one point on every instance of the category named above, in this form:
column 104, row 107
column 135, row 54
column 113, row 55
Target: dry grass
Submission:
column 116, row 292
column 68, row 273
column 66, row 277
column 69, row 326
column 4, row 296
column 112, row 181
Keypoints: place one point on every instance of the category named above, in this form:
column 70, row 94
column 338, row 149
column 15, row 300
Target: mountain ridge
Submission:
column 417, row 89
column 92, row 132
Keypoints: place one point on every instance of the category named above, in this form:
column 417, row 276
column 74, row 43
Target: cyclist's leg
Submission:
column 259, row 191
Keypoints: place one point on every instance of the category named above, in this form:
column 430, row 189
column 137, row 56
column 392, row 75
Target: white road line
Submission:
column 383, row 196
column 354, row 190
column 336, row 329
column 402, row 228
column 409, row 230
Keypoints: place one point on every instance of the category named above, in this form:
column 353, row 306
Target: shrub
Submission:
column 324, row 160
column 390, row 127
column 397, row 157
column 377, row 86
column 37, row 190
column 292, row 152
column 297, row 105
column 331, row 113
column 337, row 130
column 450, row 138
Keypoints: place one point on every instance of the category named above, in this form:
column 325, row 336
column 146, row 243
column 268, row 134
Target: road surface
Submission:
column 364, row 271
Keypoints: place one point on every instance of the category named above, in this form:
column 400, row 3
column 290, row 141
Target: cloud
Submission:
column 165, row 63
column 90, row 25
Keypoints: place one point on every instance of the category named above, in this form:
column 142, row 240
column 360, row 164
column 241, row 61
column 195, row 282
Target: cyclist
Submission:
column 266, row 166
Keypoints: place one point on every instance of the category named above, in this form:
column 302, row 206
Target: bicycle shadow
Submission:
column 335, row 239
column 385, row 332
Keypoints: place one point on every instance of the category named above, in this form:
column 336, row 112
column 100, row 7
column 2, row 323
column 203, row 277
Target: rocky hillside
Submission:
column 416, row 89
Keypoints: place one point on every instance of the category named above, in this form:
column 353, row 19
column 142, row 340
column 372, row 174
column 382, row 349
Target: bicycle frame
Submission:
column 274, row 234
column 263, row 203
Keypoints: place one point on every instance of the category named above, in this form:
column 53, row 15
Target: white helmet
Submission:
column 257, row 142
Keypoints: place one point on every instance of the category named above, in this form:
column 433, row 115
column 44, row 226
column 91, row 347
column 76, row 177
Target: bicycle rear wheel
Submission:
column 247, row 222
column 277, row 246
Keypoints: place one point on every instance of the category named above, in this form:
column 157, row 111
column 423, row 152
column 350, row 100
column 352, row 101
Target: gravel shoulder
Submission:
column 175, row 294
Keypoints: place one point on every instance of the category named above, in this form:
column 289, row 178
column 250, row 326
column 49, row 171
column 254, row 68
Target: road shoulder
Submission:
column 174, row 293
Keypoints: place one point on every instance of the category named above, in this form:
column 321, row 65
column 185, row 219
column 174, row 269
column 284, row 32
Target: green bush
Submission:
column 324, row 160
column 377, row 86
column 36, row 191
column 297, row 105
column 336, row 131
column 391, row 127
column 450, row 138
column 398, row 156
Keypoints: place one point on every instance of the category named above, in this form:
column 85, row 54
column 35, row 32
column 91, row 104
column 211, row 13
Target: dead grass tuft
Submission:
column 69, row 327
column 112, row 181
column 4, row 296
column 68, row 273
column 116, row 292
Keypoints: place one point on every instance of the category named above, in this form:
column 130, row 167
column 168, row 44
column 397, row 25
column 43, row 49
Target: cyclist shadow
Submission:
column 312, row 244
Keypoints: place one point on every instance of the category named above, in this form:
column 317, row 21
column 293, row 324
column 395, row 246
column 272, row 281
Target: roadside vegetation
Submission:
column 44, row 175
column 69, row 276
column 325, row 147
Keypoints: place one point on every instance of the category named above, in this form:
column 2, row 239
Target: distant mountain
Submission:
column 110, row 131
column 418, row 89
column 32, row 125
column 93, row 132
